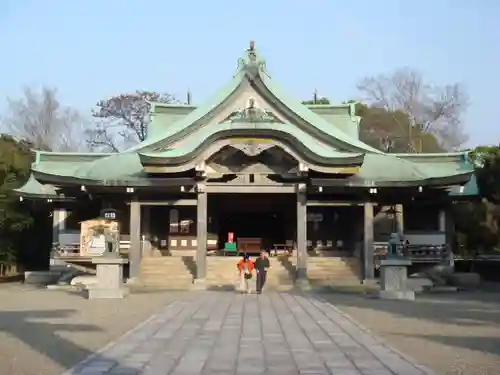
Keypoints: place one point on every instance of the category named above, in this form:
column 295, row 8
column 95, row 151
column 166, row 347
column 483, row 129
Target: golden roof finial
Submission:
column 252, row 45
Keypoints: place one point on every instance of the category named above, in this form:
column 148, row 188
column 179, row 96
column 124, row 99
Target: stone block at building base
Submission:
column 94, row 292
column 408, row 295
column 41, row 277
column 465, row 279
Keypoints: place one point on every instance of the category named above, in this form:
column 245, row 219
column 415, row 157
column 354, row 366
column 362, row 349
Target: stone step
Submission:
column 163, row 270
column 165, row 277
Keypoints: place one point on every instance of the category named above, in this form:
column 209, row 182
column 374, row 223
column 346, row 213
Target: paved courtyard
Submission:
column 227, row 333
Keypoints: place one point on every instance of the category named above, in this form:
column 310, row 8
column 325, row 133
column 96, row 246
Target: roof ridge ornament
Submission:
column 252, row 63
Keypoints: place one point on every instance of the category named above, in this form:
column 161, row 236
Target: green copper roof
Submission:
column 33, row 188
column 193, row 141
column 191, row 129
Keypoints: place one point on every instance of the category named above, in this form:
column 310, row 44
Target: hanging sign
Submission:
column 109, row 214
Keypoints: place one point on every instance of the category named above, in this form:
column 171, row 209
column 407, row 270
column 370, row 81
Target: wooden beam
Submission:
column 332, row 204
column 176, row 202
column 251, row 189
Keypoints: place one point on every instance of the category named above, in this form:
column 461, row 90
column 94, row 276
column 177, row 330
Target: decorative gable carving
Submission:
column 252, row 148
column 252, row 114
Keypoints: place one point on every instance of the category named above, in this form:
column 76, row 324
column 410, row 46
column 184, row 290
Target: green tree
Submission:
column 391, row 131
column 316, row 100
column 478, row 223
column 15, row 159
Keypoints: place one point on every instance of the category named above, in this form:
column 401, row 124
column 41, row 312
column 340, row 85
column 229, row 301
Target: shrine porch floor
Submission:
column 229, row 333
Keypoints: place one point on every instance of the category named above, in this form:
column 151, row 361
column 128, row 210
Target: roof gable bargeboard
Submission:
column 252, row 85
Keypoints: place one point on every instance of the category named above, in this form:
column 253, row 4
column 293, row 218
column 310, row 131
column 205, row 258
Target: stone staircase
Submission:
column 332, row 271
column 168, row 272
column 176, row 272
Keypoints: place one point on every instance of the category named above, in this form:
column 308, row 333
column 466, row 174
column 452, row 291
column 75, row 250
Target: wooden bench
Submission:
column 247, row 245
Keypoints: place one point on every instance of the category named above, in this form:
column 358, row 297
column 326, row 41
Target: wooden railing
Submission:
column 73, row 249
column 416, row 253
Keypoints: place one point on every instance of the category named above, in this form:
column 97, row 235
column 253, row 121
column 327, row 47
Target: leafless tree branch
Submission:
column 40, row 119
column 432, row 109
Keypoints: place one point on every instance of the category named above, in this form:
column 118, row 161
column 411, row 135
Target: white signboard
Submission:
column 97, row 245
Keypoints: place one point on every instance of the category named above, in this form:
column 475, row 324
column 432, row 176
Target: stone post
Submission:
column 394, row 279
column 368, row 245
column 135, row 238
column 302, row 280
column 109, row 284
column 201, row 233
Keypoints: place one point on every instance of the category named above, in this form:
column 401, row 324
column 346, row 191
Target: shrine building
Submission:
column 255, row 164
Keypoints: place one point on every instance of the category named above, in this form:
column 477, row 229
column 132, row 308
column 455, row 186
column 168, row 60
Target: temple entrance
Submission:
column 257, row 221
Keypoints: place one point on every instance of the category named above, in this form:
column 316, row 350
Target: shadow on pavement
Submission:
column 463, row 310
column 35, row 330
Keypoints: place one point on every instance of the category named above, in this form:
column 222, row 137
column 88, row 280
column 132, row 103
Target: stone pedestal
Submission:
column 109, row 278
column 394, row 276
column 199, row 284
column 303, row 284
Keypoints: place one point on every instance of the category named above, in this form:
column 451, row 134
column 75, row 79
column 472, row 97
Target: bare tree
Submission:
column 40, row 119
column 430, row 109
column 123, row 120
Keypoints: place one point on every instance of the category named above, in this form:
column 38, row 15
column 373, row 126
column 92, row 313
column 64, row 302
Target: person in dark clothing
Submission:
column 262, row 265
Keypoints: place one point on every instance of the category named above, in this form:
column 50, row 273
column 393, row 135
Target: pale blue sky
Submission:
column 93, row 49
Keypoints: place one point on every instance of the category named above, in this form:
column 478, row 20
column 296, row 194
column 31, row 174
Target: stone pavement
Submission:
column 227, row 333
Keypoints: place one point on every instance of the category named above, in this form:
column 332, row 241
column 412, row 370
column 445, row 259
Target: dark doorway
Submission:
column 270, row 217
column 270, row 226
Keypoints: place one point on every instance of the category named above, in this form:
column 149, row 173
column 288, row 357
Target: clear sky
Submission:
column 93, row 49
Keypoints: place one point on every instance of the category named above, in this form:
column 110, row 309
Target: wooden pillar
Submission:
column 301, row 233
column 146, row 231
column 399, row 220
column 55, row 226
column 146, row 220
column 201, row 232
column 368, row 246
column 449, row 226
column 135, row 238
column 442, row 220
column 58, row 223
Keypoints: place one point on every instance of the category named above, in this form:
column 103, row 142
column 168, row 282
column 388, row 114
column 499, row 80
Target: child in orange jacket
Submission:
column 246, row 268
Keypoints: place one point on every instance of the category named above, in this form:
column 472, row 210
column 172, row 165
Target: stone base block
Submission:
column 41, row 277
column 303, row 284
column 199, row 284
column 107, row 293
column 408, row 295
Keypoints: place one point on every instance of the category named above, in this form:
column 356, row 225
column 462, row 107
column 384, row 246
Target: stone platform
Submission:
column 226, row 333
